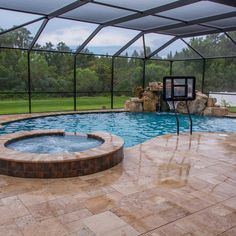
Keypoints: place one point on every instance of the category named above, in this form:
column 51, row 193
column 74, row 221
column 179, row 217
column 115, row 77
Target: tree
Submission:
column 54, row 71
column 19, row 38
column 87, row 81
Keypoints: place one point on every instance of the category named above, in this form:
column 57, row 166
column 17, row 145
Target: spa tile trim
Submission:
column 32, row 165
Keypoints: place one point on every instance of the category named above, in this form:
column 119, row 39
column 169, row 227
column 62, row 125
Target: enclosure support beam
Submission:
column 74, row 83
column 29, row 81
column 38, row 34
column 155, row 10
column 144, row 47
column 233, row 41
column 112, row 81
column 68, row 7
column 171, row 67
column 144, row 73
column 162, row 47
column 22, row 25
column 200, row 21
column 128, row 44
column 212, row 31
column 193, row 48
column 86, row 42
column 203, row 74
column 225, row 2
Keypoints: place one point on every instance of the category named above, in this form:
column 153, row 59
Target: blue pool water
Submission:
column 134, row 128
column 55, row 144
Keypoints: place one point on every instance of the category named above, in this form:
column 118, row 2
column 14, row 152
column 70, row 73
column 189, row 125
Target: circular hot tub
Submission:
column 54, row 143
column 56, row 154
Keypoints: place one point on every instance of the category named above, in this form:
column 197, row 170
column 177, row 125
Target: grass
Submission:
column 232, row 109
column 10, row 106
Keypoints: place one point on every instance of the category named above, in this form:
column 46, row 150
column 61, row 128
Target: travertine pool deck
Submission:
column 167, row 186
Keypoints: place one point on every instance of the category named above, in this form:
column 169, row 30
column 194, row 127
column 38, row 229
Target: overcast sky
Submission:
column 73, row 33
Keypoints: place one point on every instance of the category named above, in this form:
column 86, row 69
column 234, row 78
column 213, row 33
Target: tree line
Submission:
column 53, row 72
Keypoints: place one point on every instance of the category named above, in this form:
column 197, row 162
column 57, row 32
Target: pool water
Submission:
column 54, row 144
column 134, row 128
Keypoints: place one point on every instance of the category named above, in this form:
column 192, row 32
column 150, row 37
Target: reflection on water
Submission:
column 175, row 172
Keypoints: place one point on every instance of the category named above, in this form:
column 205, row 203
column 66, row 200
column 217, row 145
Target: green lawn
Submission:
column 9, row 106
column 232, row 109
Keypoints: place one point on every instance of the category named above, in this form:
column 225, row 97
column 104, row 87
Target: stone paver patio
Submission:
column 167, row 186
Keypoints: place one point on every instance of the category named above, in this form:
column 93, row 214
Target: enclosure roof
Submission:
column 178, row 18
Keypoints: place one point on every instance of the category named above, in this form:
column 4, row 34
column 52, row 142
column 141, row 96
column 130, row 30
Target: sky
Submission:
column 73, row 33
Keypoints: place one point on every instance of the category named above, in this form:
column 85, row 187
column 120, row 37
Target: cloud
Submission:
column 74, row 36
column 71, row 36
column 113, row 37
column 108, row 40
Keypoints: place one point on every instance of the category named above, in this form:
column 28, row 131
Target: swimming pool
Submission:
column 134, row 128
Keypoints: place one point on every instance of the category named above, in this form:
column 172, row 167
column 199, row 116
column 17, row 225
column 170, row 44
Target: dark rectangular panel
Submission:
column 141, row 5
column 147, row 22
column 179, row 88
column 37, row 6
column 96, row 13
column 197, row 10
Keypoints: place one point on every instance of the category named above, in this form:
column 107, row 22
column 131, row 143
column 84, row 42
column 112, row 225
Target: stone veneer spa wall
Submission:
column 32, row 165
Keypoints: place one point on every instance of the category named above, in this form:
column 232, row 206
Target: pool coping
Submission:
column 8, row 118
column 58, row 165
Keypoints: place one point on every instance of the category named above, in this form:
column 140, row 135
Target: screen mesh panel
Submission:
column 134, row 50
column 147, row 22
column 177, row 50
column 93, row 82
column 220, row 75
column 109, row 40
column 64, row 35
column 21, row 37
column 140, row 5
column 51, row 72
column 156, row 70
column 232, row 34
column 96, row 13
column 213, row 45
column 154, row 41
column 51, row 81
column 13, row 81
column 191, row 68
column 223, row 23
column 133, row 14
column 13, row 72
column 11, row 19
column 37, row 6
column 127, row 76
column 197, row 10
column 187, row 30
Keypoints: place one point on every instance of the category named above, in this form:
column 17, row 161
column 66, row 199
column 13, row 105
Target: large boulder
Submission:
column 211, row 102
column 149, row 105
column 149, row 101
column 138, row 100
column 156, row 86
column 195, row 107
column 134, row 105
column 216, row 111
